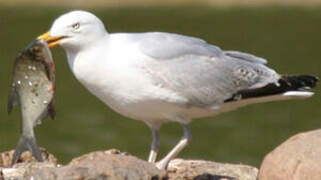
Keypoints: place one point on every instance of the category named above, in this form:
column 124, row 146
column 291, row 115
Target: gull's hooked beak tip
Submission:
column 52, row 41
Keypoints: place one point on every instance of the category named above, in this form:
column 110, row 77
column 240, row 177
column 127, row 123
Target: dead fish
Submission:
column 33, row 89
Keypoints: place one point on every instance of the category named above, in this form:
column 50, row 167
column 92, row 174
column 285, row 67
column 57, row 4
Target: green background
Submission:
column 288, row 37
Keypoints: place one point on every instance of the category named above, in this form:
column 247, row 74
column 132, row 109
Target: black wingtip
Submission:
column 285, row 83
column 300, row 81
column 24, row 144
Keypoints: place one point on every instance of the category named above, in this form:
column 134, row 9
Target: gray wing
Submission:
column 176, row 45
column 202, row 73
column 245, row 57
column 164, row 46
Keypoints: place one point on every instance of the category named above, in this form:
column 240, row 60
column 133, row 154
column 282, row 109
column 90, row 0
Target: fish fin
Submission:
column 50, row 67
column 27, row 143
column 12, row 100
column 51, row 109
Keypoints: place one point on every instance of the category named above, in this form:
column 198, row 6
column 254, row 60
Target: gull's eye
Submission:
column 75, row 26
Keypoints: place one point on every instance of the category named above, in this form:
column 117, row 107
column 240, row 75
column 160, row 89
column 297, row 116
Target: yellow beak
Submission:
column 52, row 41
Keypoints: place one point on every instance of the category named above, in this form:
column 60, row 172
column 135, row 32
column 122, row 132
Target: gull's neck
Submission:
column 71, row 56
column 74, row 53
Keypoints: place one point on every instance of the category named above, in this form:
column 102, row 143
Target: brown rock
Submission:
column 111, row 165
column 298, row 158
column 180, row 169
column 6, row 157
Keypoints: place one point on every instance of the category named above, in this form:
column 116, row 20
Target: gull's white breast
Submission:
column 114, row 71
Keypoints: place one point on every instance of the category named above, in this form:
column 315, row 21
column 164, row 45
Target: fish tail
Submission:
column 27, row 143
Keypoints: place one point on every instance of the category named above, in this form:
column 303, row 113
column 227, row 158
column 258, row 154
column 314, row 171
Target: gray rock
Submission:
column 298, row 158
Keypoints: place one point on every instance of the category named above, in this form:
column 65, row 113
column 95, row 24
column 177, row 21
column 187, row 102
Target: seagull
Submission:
column 159, row 77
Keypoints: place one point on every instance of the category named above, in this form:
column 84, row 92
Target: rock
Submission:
column 297, row 158
column 19, row 170
column 6, row 157
column 115, row 165
column 26, row 163
column 111, row 165
column 179, row 169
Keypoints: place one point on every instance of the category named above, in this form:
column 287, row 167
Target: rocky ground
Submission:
column 299, row 158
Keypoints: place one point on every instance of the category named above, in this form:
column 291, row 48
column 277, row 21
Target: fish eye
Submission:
column 75, row 26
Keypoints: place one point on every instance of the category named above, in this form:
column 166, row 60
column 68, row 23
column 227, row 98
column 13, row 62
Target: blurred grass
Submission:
column 122, row 3
column 288, row 37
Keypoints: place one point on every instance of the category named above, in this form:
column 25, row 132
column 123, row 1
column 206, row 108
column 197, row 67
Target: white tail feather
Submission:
column 278, row 97
column 298, row 94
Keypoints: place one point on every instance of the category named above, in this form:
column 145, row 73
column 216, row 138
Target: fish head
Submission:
column 39, row 50
column 75, row 30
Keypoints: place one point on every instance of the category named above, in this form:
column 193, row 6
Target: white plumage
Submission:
column 157, row 77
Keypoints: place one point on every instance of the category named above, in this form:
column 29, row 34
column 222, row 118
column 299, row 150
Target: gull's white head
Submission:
column 75, row 30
